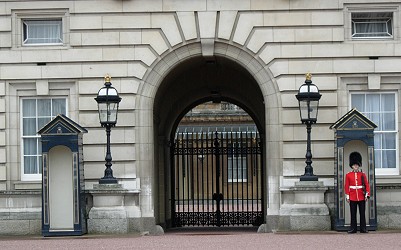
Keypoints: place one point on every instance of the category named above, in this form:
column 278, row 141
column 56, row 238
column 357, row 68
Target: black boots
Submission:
column 363, row 231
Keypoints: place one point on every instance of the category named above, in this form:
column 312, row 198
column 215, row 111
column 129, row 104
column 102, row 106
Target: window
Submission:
column 42, row 31
column 229, row 106
column 381, row 109
column 237, row 167
column 35, row 114
column 372, row 25
column 33, row 28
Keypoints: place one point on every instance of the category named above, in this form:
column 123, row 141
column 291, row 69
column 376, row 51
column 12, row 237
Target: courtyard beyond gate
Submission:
column 218, row 179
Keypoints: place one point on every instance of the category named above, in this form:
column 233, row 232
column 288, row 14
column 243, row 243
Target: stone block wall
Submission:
column 139, row 42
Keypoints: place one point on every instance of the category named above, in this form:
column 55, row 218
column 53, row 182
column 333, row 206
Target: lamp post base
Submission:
column 308, row 178
column 108, row 215
column 109, row 180
column 304, row 207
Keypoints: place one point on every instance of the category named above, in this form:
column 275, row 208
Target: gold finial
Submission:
column 308, row 76
column 107, row 78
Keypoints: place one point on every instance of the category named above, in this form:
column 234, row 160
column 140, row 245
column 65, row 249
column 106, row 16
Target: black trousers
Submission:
column 362, row 220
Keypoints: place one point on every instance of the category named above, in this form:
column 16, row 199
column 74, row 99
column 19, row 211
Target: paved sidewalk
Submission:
column 213, row 239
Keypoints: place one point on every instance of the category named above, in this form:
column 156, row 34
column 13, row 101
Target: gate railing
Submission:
column 217, row 179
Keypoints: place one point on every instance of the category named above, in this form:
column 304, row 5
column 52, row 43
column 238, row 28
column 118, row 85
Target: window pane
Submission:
column 112, row 112
column 29, row 107
column 390, row 26
column 358, row 102
column 388, row 122
column 30, row 146
column 378, row 141
column 388, row 102
column 237, row 170
column 42, row 122
column 389, row 141
column 372, row 15
column 25, row 30
column 244, row 166
column 44, row 107
column 389, row 159
column 30, row 165
column 29, row 127
column 373, row 103
column 375, row 117
column 369, row 29
column 39, row 147
column 102, row 112
column 59, row 107
column 378, row 159
column 40, row 164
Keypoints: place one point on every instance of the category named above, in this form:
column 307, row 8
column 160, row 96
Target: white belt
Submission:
column 355, row 187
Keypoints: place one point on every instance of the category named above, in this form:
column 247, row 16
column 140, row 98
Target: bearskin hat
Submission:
column 355, row 158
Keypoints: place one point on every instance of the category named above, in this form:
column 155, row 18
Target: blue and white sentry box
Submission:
column 354, row 132
column 63, row 198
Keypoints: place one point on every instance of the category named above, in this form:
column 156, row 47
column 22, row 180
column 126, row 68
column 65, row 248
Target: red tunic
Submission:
column 353, row 186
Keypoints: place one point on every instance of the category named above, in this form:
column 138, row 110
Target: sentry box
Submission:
column 63, row 198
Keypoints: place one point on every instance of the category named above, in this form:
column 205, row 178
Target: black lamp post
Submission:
column 108, row 101
column 308, row 97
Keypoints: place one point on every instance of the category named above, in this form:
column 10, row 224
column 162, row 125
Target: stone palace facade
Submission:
column 167, row 56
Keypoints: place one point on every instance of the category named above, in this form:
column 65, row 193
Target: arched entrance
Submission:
column 180, row 81
column 217, row 172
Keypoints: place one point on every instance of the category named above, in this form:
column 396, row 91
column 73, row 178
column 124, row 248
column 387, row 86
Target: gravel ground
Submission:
column 213, row 240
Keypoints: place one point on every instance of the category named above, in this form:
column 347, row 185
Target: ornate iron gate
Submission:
column 217, row 179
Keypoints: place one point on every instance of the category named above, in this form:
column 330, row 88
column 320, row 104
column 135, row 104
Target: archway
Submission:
column 194, row 81
column 180, row 81
column 217, row 168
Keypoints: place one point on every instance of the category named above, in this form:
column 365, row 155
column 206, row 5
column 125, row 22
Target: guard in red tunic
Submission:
column 357, row 192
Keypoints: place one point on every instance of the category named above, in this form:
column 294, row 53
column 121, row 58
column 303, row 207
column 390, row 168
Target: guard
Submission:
column 357, row 192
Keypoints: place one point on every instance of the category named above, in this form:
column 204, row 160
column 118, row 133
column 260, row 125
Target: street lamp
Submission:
column 108, row 101
column 308, row 97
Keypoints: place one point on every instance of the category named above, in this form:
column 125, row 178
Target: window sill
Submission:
column 384, row 180
column 372, row 40
column 28, row 185
column 42, row 47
